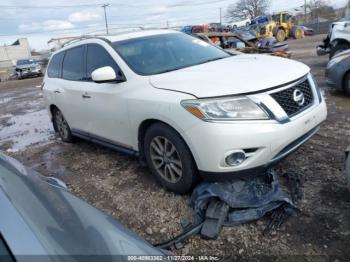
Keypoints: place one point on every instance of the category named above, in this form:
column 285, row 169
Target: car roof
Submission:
column 125, row 35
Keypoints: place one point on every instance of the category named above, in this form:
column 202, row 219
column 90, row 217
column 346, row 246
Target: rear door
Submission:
column 108, row 113
column 71, row 98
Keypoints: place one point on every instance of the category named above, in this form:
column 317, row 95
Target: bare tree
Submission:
column 247, row 8
column 320, row 8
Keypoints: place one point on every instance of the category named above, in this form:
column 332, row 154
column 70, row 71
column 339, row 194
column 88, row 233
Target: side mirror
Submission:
column 104, row 74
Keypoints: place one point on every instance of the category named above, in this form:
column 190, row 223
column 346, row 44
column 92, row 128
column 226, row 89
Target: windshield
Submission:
column 167, row 52
column 25, row 62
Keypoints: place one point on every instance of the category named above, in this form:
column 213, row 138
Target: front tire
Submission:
column 169, row 159
column 281, row 35
column 61, row 126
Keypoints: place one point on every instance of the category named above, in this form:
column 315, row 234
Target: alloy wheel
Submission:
column 166, row 159
column 61, row 124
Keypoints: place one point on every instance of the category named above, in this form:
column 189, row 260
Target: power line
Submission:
column 46, row 6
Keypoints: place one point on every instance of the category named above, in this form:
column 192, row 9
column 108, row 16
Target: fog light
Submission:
column 235, row 159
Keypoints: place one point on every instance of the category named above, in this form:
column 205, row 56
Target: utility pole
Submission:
column 305, row 11
column 104, row 8
column 220, row 16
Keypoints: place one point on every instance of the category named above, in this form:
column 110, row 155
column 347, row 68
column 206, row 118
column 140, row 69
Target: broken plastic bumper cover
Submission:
column 234, row 203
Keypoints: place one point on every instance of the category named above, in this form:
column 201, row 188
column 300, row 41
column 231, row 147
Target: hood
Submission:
column 230, row 76
column 27, row 65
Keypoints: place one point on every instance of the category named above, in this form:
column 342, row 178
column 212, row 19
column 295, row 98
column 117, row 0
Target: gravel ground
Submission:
column 121, row 187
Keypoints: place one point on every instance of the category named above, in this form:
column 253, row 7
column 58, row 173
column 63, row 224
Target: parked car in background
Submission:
column 40, row 218
column 307, row 30
column 338, row 72
column 337, row 40
column 187, row 107
column 347, row 166
column 27, row 68
column 259, row 20
column 239, row 23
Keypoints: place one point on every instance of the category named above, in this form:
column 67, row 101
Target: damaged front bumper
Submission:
column 321, row 50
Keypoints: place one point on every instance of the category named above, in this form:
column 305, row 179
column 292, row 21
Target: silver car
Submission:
column 39, row 217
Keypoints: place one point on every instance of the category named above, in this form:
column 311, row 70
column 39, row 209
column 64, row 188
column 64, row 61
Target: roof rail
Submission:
column 103, row 36
column 83, row 37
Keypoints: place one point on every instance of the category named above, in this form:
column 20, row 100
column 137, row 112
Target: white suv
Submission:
column 188, row 108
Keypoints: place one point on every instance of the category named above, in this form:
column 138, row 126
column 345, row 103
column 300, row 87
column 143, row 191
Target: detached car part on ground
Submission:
column 39, row 217
column 337, row 40
column 27, row 68
column 185, row 106
column 338, row 72
column 232, row 41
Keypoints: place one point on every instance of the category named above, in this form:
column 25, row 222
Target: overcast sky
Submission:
column 39, row 20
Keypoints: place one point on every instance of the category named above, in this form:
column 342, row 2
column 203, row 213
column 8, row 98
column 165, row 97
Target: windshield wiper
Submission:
column 211, row 60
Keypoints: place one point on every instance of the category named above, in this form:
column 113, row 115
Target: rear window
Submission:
column 54, row 69
column 73, row 64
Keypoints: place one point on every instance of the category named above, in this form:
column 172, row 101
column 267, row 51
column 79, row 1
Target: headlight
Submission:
column 336, row 60
column 225, row 109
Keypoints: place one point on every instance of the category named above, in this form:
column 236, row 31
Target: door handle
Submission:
column 86, row 95
column 57, row 91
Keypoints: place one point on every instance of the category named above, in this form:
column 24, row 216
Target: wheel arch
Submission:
column 52, row 107
column 143, row 127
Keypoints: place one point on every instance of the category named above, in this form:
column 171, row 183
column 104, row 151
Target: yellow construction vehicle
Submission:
column 282, row 26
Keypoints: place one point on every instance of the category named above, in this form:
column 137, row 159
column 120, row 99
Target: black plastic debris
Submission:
column 233, row 203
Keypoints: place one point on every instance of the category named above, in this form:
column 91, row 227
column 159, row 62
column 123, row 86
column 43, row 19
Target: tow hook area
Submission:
column 233, row 203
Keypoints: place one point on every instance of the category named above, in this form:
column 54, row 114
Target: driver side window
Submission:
column 98, row 57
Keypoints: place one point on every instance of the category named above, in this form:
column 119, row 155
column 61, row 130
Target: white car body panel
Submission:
column 241, row 23
column 340, row 30
column 217, row 78
column 116, row 110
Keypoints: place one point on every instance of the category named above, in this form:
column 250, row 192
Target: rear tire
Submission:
column 61, row 126
column 297, row 32
column 346, row 86
column 169, row 159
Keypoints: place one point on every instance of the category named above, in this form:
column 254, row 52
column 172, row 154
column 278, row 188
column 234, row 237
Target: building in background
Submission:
column 9, row 54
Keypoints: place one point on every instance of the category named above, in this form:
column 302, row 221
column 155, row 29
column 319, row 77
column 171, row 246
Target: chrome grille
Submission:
column 285, row 98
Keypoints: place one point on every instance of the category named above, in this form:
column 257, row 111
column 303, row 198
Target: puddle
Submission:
column 5, row 100
column 50, row 163
column 21, row 131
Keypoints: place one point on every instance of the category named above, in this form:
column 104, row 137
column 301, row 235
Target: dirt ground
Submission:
column 121, row 187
